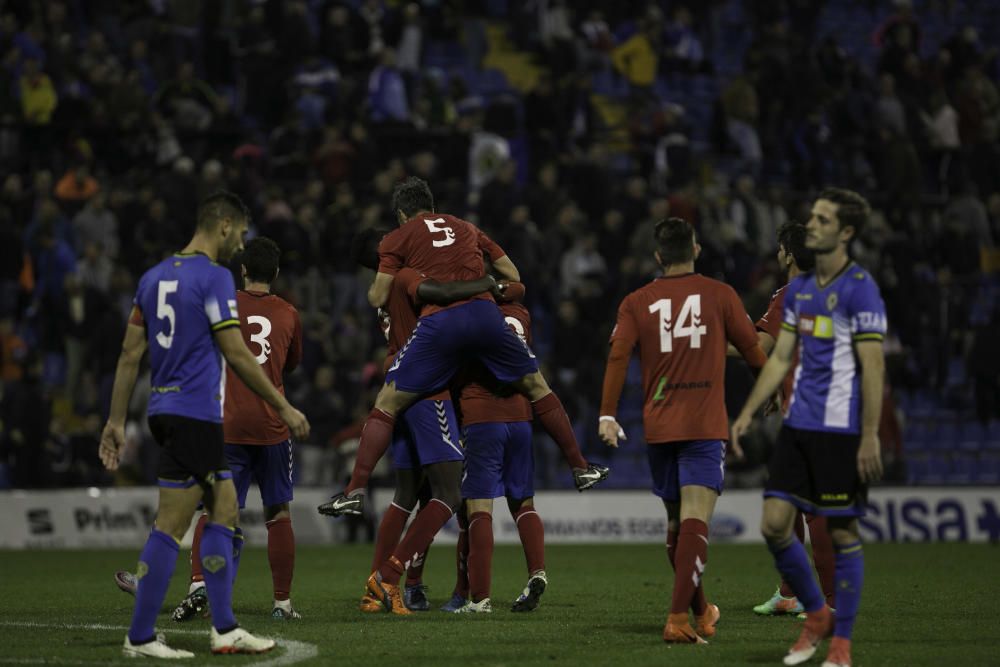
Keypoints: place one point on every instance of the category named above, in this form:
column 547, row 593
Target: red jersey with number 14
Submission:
column 770, row 324
column 682, row 325
column 271, row 329
column 440, row 247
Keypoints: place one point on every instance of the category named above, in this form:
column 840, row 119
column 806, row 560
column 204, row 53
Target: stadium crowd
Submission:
column 116, row 118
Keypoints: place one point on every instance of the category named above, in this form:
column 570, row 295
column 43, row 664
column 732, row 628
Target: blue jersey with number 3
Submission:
column 829, row 320
column 183, row 300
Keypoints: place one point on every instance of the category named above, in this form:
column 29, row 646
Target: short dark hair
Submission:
column 792, row 237
column 260, row 257
column 364, row 247
column 852, row 209
column 412, row 196
column 218, row 205
column 674, row 240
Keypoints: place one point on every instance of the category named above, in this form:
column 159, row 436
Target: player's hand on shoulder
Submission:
column 296, row 421
column 610, row 431
column 870, row 459
column 499, row 288
column 112, row 441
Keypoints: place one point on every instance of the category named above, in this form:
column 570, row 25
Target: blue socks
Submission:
column 237, row 549
column 792, row 562
column 156, row 566
column 217, row 546
column 850, row 574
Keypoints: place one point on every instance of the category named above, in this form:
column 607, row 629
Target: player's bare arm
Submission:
column 768, row 381
column 441, row 294
column 608, row 428
column 764, row 339
column 378, row 293
column 506, row 269
column 872, row 360
column 238, row 356
column 113, row 436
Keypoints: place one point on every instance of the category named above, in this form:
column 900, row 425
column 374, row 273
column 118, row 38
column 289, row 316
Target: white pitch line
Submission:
column 295, row 651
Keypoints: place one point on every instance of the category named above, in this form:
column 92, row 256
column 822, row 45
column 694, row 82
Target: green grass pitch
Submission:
column 935, row 604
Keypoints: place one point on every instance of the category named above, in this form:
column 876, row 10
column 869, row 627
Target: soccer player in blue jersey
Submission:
column 185, row 314
column 828, row 448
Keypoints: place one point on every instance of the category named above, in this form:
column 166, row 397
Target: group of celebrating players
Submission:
column 457, row 329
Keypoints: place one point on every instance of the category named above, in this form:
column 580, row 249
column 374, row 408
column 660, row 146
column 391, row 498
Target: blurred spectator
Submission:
column 76, row 186
column 95, row 224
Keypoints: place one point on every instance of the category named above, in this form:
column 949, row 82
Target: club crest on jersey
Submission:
column 831, row 301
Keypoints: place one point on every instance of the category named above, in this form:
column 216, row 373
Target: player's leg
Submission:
column 836, row 455
column 823, row 555
column 481, row 482
column 425, row 364
column 415, row 592
column 699, row 605
column 519, row 489
column 511, row 361
column 434, row 428
column 157, row 561
column 445, row 479
column 274, row 472
column 479, row 513
column 195, row 603
column 460, row 593
column 784, row 601
column 790, row 488
column 850, row 570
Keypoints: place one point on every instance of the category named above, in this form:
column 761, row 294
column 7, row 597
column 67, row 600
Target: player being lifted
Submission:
column 794, row 258
column 185, row 313
column 828, row 448
column 257, row 441
column 682, row 323
column 428, row 432
column 445, row 248
column 496, row 430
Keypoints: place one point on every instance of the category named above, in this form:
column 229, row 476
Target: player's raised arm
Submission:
column 238, row 356
column 133, row 348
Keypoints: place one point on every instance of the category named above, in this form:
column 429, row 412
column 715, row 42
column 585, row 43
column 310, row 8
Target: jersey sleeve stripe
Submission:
column 225, row 324
column 868, row 336
column 787, row 327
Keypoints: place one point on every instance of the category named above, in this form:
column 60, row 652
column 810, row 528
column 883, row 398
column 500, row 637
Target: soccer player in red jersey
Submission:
column 681, row 322
column 794, row 258
column 428, row 432
column 445, row 249
column 496, row 430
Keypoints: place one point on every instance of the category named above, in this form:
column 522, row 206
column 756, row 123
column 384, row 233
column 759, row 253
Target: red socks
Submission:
column 823, row 556
column 415, row 573
column 690, row 557
column 414, row 545
column 462, row 556
column 699, row 605
column 389, row 532
column 196, row 574
column 281, row 555
column 552, row 416
column 532, row 533
column 375, row 438
column 480, row 555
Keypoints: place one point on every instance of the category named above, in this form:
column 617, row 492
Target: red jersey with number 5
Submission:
column 271, row 329
column 440, row 247
column 682, row 325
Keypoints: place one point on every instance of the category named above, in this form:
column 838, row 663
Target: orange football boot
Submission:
column 389, row 594
column 818, row 626
column 705, row 623
column 369, row 604
column 679, row 631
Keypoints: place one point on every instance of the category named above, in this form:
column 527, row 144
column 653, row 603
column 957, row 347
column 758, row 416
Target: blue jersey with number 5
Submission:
column 183, row 300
